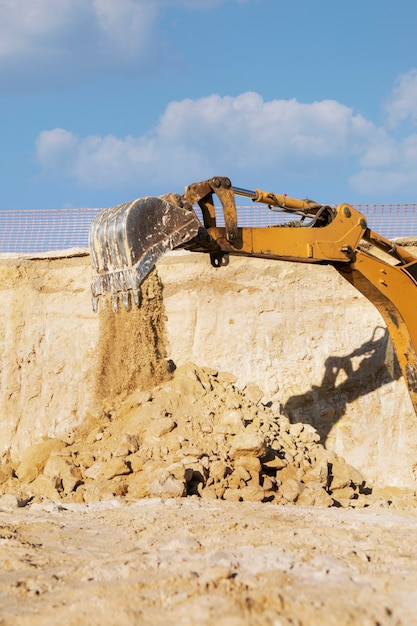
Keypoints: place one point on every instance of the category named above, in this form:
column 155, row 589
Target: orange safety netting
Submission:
column 41, row 230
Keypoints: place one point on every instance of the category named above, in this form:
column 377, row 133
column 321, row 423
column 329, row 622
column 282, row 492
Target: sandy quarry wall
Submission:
column 316, row 347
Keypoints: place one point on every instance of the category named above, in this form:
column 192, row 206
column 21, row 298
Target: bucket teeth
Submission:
column 126, row 241
column 115, row 302
column 126, row 300
column 136, row 297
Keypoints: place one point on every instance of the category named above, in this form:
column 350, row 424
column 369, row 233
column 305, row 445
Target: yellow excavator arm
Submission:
column 126, row 241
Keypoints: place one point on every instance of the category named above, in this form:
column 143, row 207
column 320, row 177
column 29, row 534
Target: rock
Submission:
column 269, row 483
column 232, row 494
column 318, row 473
column 296, row 429
column 218, row 469
column 290, row 472
column 6, row 472
column 46, row 487
column 235, row 481
column 345, row 493
column 314, row 494
column 252, row 493
column 343, row 475
column 127, row 444
column 290, row 489
column 286, row 441
column 251, row 463
column 106, row 470
column 253, row 393
column 62, row 469
column 273, row 461
column 9, row 502
column 231, row 423
column 137, row 486
column 247, row 443
column 309, row 434
column 35, row 457
column 197, row 435
column 161, row 427
column 167, row 486
column 97, row 490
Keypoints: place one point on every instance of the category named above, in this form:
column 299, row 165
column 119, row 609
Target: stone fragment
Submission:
column 251, row 463
column 269, row 483
column 167, row 486
column 63, row 470
column 241, row 472
column 309, row 434
column 253, row 393
column 247, row 443
column 252, row 493
column 344, row 493
column 137, row 486
column 116, row 467
column 232, row 399
column 135, row 461
column 343, row 475
column 314, row 494
column 46, row 487
column 209, row 493
column 290, row 472
column 226, row 378
column 34, row 459
column 98, row 490
column 106, row 470
column 287, row 441
column 230, row 423
column 179, row 471
column 83, row 457
column 290, row 489
column 318, row 473
column 218, row 469
column 161, row 427
column 10, row 502
column 273, row 461
column 127, row 444
column 296, row 429
column 232, row 495
column 6, row 472
column 187, row 381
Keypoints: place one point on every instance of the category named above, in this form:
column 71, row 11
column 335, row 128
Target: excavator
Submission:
column 127, row 240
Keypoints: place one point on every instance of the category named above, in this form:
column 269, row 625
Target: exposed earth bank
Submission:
column 141, row 485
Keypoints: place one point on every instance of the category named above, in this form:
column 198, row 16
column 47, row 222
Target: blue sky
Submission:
column 102, row 101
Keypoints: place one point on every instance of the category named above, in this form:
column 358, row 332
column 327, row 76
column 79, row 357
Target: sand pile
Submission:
column 196, row 434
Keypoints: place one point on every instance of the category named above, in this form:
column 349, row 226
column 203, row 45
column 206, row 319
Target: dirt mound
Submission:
column 194, row 435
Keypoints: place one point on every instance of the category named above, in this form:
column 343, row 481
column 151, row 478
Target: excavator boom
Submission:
column 126, row 242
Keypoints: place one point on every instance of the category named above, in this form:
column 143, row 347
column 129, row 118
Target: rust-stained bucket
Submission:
column 127, row 240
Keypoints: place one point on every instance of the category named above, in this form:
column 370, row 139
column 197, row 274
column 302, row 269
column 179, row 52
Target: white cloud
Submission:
column 126, row 24
column 389, row 166
column 244, row 137
column 27, row 25
column 48, row 42
column 402, row 103
column 57, row 149
column 198, row 138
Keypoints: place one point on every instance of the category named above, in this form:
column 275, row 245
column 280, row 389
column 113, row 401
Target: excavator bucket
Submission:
column 127, row 240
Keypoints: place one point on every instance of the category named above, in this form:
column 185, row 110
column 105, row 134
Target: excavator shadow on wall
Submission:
column 345, row 379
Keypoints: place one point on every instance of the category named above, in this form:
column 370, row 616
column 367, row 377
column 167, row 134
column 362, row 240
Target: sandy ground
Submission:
column 176, row 505
column 184, row 561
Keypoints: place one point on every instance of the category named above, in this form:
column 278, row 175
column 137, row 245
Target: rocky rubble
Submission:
column 195, row 435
